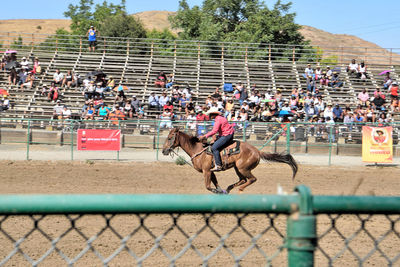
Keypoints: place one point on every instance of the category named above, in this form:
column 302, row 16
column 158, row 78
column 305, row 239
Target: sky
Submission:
column 371, row 20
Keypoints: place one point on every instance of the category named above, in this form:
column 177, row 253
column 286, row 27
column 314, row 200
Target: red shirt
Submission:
column 221, row 126
column 202, row 117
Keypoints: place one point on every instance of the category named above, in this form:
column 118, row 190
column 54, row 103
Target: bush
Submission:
column 180, row 161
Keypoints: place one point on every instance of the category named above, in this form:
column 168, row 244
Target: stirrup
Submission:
column 216, row 169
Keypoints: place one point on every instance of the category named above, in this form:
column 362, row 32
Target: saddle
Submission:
column 232, row 148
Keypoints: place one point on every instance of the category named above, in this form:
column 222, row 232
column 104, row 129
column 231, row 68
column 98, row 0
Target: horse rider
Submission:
column 225, row 135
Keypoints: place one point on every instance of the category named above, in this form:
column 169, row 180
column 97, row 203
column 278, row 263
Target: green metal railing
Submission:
column 297, row 244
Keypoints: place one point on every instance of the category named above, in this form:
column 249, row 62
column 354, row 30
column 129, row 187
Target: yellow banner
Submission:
column 377, row 144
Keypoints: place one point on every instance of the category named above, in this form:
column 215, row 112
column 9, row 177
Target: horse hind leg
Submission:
column 249, row 177
column 242, row 180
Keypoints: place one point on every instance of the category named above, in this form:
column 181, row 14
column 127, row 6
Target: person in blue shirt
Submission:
column 92, row 32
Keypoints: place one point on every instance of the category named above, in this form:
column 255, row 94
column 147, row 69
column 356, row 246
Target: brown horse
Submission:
column 243, row 162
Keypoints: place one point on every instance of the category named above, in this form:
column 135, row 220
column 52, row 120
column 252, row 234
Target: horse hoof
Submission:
column 224, row 192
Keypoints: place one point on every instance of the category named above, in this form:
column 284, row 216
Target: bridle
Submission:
column 171, row 141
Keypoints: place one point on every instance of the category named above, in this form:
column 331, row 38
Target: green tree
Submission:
column 238, row 21
column 85, row 15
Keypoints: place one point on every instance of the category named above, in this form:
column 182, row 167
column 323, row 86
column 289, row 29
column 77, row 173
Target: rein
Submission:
column 199, row 153
column 172, row 156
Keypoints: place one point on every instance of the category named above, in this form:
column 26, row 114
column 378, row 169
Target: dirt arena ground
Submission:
column 50, row 177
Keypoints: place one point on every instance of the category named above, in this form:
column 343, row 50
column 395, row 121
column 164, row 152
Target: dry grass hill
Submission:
column 159, row 20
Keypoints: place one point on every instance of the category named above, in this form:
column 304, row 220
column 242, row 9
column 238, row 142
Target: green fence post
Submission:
column 28, row 138
column 119, row 128
column 158, row 138
column 301, row 231
column 330, row 146
column 288, row 138
column 72, row 140
column 244, row 131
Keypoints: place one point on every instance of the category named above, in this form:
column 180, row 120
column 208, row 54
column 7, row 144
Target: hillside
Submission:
column 159, row 20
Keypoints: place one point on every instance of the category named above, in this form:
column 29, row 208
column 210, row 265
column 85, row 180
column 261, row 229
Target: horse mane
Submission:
column 193, row 139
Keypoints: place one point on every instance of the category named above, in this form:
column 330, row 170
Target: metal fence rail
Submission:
column 296, row 137
column 234, row 230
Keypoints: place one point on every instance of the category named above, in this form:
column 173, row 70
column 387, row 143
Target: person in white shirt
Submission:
column 66, row 113
column 353, row 67
column 163, row 99
column 24, row 64
column 58, row 77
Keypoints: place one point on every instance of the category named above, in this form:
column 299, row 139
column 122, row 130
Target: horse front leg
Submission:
column 210, row 177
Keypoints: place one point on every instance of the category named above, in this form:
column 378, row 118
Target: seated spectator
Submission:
column 337, row 113
column 58, row 111
column 4, row 103
column 135, row 103
column 308, row 71
column 116, row 115
column 22, row 76
column 169, row 106
column 310, row 84
column 166, row 119
column 28, row 81
column 68, row 80
column 242, row 92
column 128, row 109
column 103, row 111
column 394, row 91
column 120, row 97
column 163, row 99
column 66, row 113
column 317, row 93
column 387, row 81
column 183, row 101
column 45, row 90
column 318, row 73
column 90, row 112
column 363, row 97
column 328, row 112
column 154, row 101
column 380, row 93
column 37, row 69
column 176, row 94
column 254, row 100
column 24, row 64
column 58, row 77
column 110, row 85
column 97, row 102
column 12, row 76
column 352, row 69
column 335, row 81
column 99, row 91
column 187, row 91
column 378, row 102
column 89, row 91
column 370, row 114
column 161, row 80
column 54, row 93
column 170, row 81
column 362, row 71
column 216, row 94
column 189, row 108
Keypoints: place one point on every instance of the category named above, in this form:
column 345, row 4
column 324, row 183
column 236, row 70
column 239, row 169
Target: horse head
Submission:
column 171, row 142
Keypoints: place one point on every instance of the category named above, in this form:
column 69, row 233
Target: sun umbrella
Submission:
column 11, row 51
column 384, row 72
column 121, row 87
column 3, row 92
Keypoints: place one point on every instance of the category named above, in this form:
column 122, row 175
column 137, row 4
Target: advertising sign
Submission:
column 99, row 140
column 377, row 144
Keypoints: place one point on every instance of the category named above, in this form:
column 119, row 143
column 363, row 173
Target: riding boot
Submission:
column 216, row 169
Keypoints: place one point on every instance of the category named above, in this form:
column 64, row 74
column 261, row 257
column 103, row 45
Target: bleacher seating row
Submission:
column 138, row 71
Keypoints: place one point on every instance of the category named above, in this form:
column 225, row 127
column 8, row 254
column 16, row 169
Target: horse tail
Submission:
column 283, row 158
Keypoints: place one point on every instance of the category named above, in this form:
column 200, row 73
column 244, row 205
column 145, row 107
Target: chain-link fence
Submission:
column 193, row 230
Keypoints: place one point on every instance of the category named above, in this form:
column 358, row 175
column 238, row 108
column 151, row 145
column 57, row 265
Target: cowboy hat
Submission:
column 213, row 110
